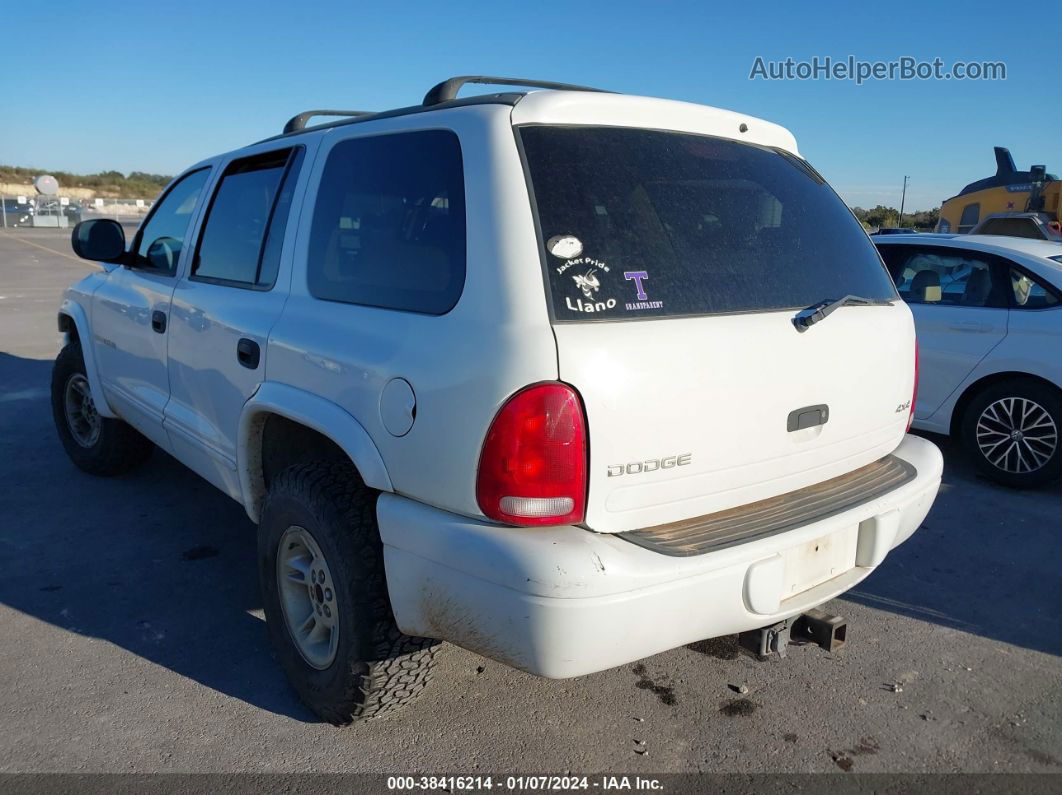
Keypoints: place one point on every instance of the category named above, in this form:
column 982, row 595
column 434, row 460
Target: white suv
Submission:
column 566, row 378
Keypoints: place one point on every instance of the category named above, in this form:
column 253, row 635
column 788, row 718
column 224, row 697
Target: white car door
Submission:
column 226, row 304
column 959, row 301
column 131, row 310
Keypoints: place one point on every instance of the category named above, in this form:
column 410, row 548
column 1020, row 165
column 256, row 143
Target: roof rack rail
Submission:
column 296, row 123
column 447, row 89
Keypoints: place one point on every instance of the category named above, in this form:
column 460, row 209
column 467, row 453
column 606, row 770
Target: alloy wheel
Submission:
column 308, row 597
column 81, row 416
column 1017, row 435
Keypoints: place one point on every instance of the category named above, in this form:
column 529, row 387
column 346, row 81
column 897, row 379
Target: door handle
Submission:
column 158, row 321
column 248, row 353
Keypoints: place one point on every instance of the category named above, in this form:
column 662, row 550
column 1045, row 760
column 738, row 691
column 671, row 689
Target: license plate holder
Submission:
column 814, row 562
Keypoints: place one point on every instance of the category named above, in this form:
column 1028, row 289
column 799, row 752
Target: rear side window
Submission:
column 1029, row 293
column 389, row 223
column 641, row 223
column 244, row 230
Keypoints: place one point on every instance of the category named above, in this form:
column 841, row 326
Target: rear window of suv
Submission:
column 642, row 223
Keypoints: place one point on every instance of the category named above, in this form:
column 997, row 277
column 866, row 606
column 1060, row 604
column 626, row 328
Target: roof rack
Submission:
column 447, row 89
column 296, row 123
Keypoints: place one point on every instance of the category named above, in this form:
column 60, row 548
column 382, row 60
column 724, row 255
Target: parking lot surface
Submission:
column 131, row 636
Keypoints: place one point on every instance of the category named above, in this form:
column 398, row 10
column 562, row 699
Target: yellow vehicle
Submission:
column 1012, row 202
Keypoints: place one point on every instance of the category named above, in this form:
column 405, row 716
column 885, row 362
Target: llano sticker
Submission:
column 586, row 274
column 564, row 246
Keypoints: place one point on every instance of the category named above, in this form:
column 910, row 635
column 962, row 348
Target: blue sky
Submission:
column 156, row 86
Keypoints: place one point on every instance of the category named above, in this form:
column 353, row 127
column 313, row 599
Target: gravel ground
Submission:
column 131, row 636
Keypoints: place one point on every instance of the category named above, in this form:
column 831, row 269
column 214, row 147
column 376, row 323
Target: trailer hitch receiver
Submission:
column 819, row 627
column 816, row 626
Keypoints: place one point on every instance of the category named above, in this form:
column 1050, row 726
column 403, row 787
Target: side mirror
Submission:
column 100, row 240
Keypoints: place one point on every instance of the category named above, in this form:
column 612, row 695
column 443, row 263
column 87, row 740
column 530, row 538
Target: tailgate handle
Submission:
column 807, row 417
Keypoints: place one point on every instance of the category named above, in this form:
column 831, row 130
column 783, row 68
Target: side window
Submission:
column 389, row 223
column 948, row 276
column 244, row 230
column 968, row 220
column 159, row 242
column 1029, row 293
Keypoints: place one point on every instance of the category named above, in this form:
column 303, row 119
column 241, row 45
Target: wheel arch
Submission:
column 975, row 388
column 73, row 324
column 327, row 426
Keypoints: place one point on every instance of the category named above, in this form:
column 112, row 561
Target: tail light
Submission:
column 914, row 391
column 532, row 470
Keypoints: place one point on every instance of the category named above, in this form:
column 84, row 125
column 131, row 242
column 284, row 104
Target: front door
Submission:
column 131, row 311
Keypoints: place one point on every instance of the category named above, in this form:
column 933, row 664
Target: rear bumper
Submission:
column 563, row 601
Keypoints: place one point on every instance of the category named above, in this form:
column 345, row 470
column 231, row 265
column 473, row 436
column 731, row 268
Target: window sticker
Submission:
column 588, row 282
column 582, row 263
column 639, row 278
column 564, row 246
column 594, row 287
column 588, row 279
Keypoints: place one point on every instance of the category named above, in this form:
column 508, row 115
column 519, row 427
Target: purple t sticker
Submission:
column 636, row 277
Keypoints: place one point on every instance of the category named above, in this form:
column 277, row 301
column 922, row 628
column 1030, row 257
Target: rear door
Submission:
column 676, row 265
column 225, row 307
column 959, row 301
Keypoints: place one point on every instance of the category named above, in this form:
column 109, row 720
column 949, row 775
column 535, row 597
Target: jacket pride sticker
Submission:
column 586, row 273
column 640, row 278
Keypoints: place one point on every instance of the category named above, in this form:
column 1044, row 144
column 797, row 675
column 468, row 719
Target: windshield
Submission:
column 641, row 223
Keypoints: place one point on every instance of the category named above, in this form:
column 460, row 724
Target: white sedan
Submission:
column 989, row 315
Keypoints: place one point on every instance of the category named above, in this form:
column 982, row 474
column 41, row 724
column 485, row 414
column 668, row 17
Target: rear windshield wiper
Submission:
column 807, row 318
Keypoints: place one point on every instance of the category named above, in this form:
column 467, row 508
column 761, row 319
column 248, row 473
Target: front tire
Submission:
column 1011, row 431
column 326, row 604
column 98, row 445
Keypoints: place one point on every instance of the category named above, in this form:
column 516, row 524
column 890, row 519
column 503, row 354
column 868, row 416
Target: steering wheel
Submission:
column 163, row 253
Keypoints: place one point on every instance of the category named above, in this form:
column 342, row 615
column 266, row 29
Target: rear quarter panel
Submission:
column 462, row 365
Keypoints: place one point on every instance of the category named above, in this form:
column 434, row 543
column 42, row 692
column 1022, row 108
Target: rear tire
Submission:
column 322, row 576
column 1011, row 431
column 98, row 445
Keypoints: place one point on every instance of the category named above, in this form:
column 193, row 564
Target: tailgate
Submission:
column 692, row 416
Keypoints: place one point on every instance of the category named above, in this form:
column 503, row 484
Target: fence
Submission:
column 60, row 212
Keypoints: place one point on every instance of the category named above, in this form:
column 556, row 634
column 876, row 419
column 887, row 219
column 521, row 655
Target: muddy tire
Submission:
column 329, row 617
